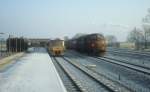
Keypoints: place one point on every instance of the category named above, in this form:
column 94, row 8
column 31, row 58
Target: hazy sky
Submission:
column 59, row 18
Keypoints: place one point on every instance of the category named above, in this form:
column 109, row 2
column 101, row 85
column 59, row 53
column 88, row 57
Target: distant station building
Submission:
column 38, row 42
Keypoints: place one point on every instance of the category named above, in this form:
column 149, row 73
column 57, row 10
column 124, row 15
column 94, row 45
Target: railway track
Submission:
column 129, row 55
column 130, row 52
column 129, row 58
column 83, row 77
column 139, row 68
column 67, row 80
column 107, row 83
column 115, row 71
column 142, row 69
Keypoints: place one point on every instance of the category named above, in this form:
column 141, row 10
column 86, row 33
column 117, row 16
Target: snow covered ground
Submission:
column 32, row 73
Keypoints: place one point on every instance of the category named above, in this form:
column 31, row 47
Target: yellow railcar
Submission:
column 56, row 47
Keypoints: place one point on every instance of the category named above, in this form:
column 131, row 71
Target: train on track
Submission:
column 17, row 44
column 56, row 47
column 92, row 44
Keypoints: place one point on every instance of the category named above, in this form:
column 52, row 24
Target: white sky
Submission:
column 59, row 18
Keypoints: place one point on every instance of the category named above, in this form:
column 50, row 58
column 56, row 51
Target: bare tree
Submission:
column 136, row 36
column 112, row 41
column 146, row 26
column 146, row 19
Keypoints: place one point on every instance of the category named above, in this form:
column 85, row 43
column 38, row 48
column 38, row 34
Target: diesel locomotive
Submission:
column 56, row 47
column 92, row 44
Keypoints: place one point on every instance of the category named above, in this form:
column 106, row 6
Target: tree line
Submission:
column 141, row 37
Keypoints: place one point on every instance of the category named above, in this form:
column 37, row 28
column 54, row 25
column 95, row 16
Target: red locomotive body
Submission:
column 92, row 44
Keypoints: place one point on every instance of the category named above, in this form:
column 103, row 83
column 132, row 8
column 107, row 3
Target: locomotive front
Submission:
column 101, row 43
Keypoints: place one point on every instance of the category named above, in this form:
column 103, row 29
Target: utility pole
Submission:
column 145, row 39
column 1, row 47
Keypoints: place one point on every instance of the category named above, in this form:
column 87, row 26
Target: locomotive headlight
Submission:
column 103, row 42
column 92, row 45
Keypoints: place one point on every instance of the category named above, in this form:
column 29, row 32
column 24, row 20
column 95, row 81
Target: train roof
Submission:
column 100, row 35
column 95, row 34
column 56, row 40
column 91, row 35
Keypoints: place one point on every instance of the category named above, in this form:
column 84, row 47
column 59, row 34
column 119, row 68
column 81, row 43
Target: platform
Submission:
column 34, row 72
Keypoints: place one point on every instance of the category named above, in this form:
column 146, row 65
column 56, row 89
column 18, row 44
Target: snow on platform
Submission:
column 34, row 72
